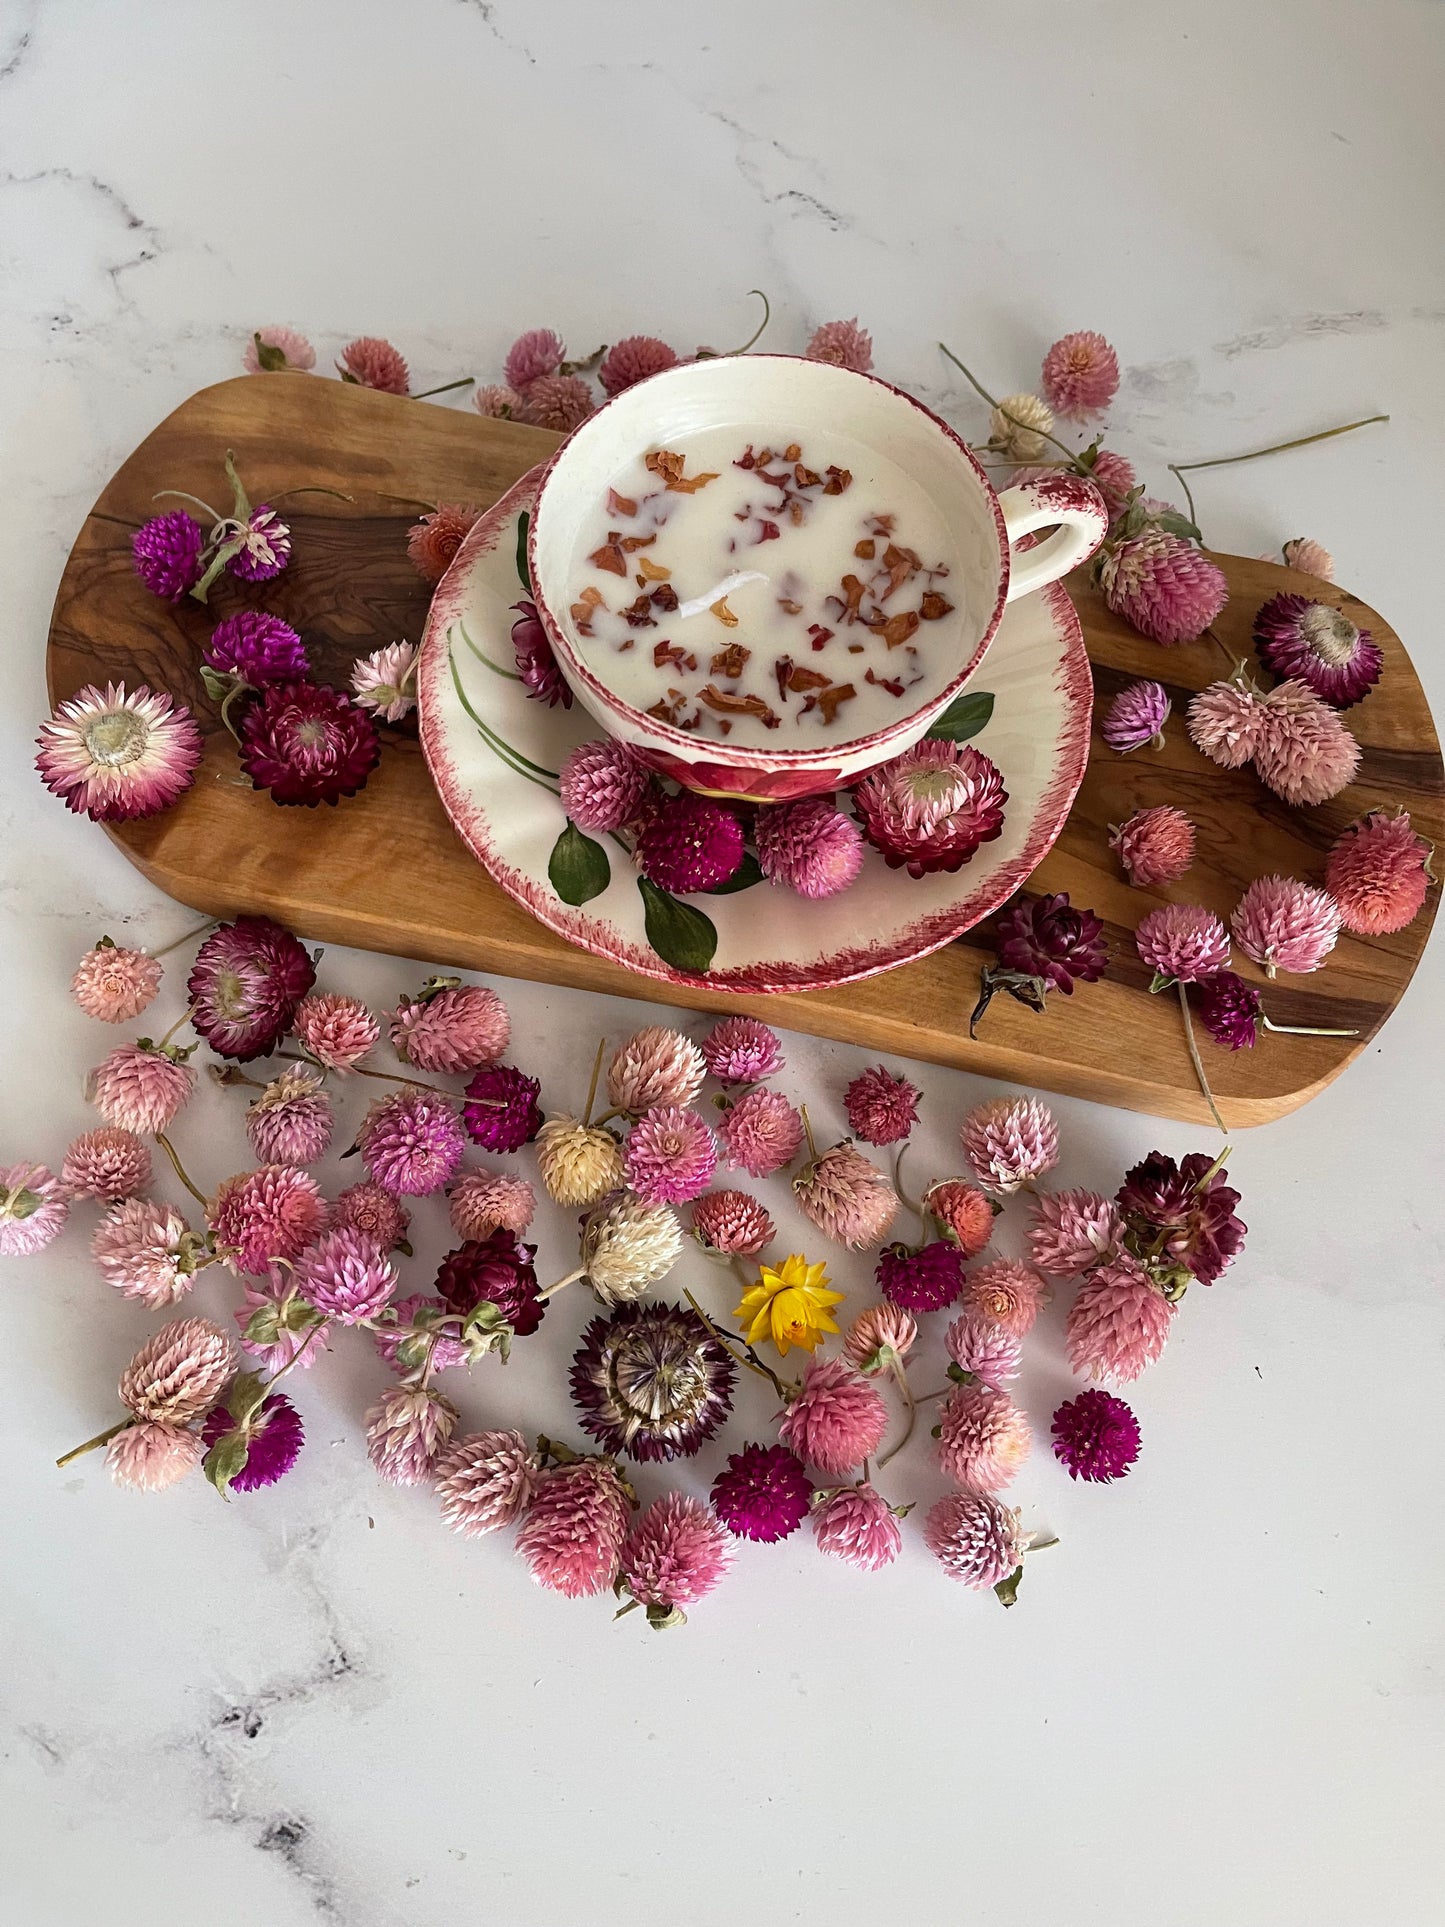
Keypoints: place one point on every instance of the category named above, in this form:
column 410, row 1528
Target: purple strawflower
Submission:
column 923, row 1279
column 689, row 842
column 501, row 1112
column 1318, row 645
column 167, row 552
column 1047, row 937
column 274, row 1446
column 257, row 650
column 762, row 1493
column 308, row 743
column 1189, row 1201
column 1137, row 716
column 245, row 984
column 536, row 664
column 1096, row 1437
column 266, row 548
column 651, row 1381
column 1229, row 1009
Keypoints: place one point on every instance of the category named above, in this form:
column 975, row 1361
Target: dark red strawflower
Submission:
column 1096, row 1437
column 257, row 649
column 247, row 980
column 922, row 1279
column 536, row 664
column 1229, row 1009
column 651, row 1381
column 275, row 1443
column 167, row 552
column 307, row 743
column 494, row 1270
column 1204, row 1232
column 501, row 1112
column 1047, row 937
column 762, row 1493
column 689, row 842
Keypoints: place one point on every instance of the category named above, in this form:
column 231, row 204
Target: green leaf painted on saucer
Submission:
column 524, row 574
column 681, row 935
column 578, row 869
column 963, row 718
column 743, row 878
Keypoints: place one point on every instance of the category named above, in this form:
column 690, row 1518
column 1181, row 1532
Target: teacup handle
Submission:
column 1054, row 500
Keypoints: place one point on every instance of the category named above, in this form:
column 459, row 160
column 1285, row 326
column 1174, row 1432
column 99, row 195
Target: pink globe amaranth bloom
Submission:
column 306, row 744
column 762, row 1132
column 299, row 355
column 571, row 1536
column 374, row 363
column 558, row 402
column 257, row 650
column 1010, row 1293
column 481, row 1202
column 689, row 843
column 1162, row 585
column 808, row 846
column 1229, row 1009
column 1310, row 558
column 167, row 554
column 296, row 1337
column 633, row 359
column 1225, row 721
column 1282, row 924
column 432, row 542
column 405, row 1432
column 245, row 985
column 1096, row 1437
column 34, row 1205
column 964, row 1213
column 846, row 1197
column 140, row 1090
column 266, row 1217
column 385, row 681
column 498, row 402
column 1010, row 1141
column 923, row 1279
column 857, row 1524
column 345, row 1275
column 445, row 1353
column 107, row 1164
column 536, row 664
column 485, row 1480
column 412, row 1142
column 370, row 1208
column 675, row 1554
column 276, row 1436
column 741, row 1050
column 654, row 1066
column 1117, row 1324
column 671, row 1156
column 179, row 1372
column 1304, row 753
column 338, row 1031
column 454, row 1031
column 1377, row 872
column 114, row 755
column 1080, row 376
column 501, row 1112
column 980, row 1346
column 1071, row 1231
column 146, row 1251
column 266, row 546
column 604, row 785
column 882, row 1108
column 932, row 807
column 153, row 1454
column 536, row 353
column 880, row 1337
column 115, row 985
column 983, row 1437
column 1155, row 846
column 732, row 1221
column 836, row 1420
column 843, row 344
column 1137, row 716
column 1114, row 477
column 977, row 1540
column 762, row 1493
column 1339, row 661
column 291, row 1121
column 1183, row 942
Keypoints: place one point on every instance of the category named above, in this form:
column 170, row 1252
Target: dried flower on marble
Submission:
column 882, row 1108
column 114, row 755
column 496, row 1271
column 254, row 650
column 572, row 1532
column 1378, row 873
column 179, row 1372
column 762, row 1493
column 485, row 1480
column 578, row 1163
column 880, row 1339
column 920, row 1277
column 932, row 807
column 836, row 1420
column 1137, row 716
column 337, row 1031
column 450, row 1027
column 632, row 360
column 1010, row 1293
column 536, row 664
column 689, row 843
column 1080, row 375
column 651, row 1381
column 432, row 543
column 604, row 785
column 140, row 1088
column 413, row 1333
column 1182, row 942
column 846, row 1197
column 406, row 1430
column 1096, row 1437
column 627, row 1246
column 1225, row 721
column 536, row 353
column 147, row 1252
column 808, row 846
column 245, row 986
column 1229, row 1008
column 370, row 1208
column 277, row 350
column 843, row 344
column 307, row 743
column 34, row 1205
column 976, row 1539
column 1320, row 646
column 983, row 1437
column 481, row 1202
column 1309, row 557
column 1017, row 427
column 558, row 402
column 655, row 1066
column 114, row 984
column 501, row 1111
column 963, row 1213
column 291, row 1121
column 1072, row 1231
column 151, row 1455
column 385, row 681
column 732, row 1222
column 856, row 1524
column 671, row 1155
column 1282, row 924
column 985, row 1350
column 370, row 362
column 1118, row 1323
column 272, row 1435
column 741, row 1050
column 1304, row 752
column 278, row 1328
column 1010, row 1141
column 265, row 1217
column 345, row 1276
column 1155, row 846
column 108, row 1164
column 167, row 551
column 1162, row 585
column 762, row 1132
column 674, row 1556
column 791, row 1304
column 1183, row 1214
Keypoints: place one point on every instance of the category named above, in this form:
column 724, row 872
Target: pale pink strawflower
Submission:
column 385, row 681
column 299, row 1342
column 1162, row 585
column 1225, row 721
column 1010, row 1141
column 808, row 846
column 558, row 402
column 880, row 1336
column 1304, row 752
column 291, row 1121
column 147, row 1252
column 633, row 359
column 405, row 1432
column 1310, row 558
column 498, row 402
column 655, row 1066
column 983, row 1437
column 106, row 1164
column 965, row 1214
column 34, row 1205
column 976, row 1539
column 140, row 1090
column 537, row 352
column 732, row 1221
column 762, row 1132
column 413, row 1142
column 741, row 1050
column 374, row 363
column 371, row 1208
column 1378, row 873
column 265, row 1217
column 979, row 1345
column 485, row 1480
column 481, row 1202
column 846, row 1197
column 1154, row 846
column 671, row 1156
column 1117, row 1324
column 454, row 1030
column 338, row 1031
column 153, row 1454
column 837, row 1419
column 114, row 984
column 345, row 1276
column 1080, row 375
column 1072, row 1230
column 571, row 1536
column 843, row 344
column 1282, row 924
column 604, row 785
column 179, row 1372
column 857, row 1525
column 1010, row 1293
column 882, row 1108
column 675, row 1555
column 1137, row 716
column 300, row 355
column 1183, row 942
column 114, row 756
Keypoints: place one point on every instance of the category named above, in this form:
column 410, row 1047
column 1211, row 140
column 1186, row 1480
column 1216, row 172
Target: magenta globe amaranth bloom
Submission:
column 923, row 1279
column 536, row 664
column 762, row 1493
column 689, row 843
column 1096, row 1437
column 257, row 650
column 167, row 553
column 501, row 1111
column 274, row 1436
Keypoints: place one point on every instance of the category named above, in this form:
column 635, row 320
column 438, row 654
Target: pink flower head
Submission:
column 345, row 1276
column 981, row 1346
column 558, row 402
column 1378, row 874
column 1310, row 558
column 762, row 1493
column 485, row 1480
column 1096, row 1437
column 432, row 543
column 146, row 1252
column 843, row 344
column 113, row 755
column 1282, row 924
column 338, row 1031
column 307, row 743
column 674, row 1555
column 291, row 1121
column 1229, row 1009
column 246, row 984
column 385, row 681
column 536, row 664
column 977, row 1540
column 1114, row 477
column 1117, row 1324
column 654, row 1066
column 633, row 359
column 538, row 352
column 1183, row 942
column 837, row 1420
column 266, row 1217
column 297, row 354
column 405, row 1432
column 604, row 785
column 879, row 1338
column 808, row 846
column 374, row 363
column 153, row 1454
column 882, row 1108
column 107, row 1164
column 846, row 1197
column 257, row 649
column 671, row 1156
column 983, row 1437
column 1155, row 846
column 501, row 1112
column 372, row 1210
column 925, row 1278
column 179, row 1372
column 275, row 1436
column 1224, row 722
column 1137, row 716
column 34, row 1205
column 1339, row 661
column 412, row 1142
column 115, row 985
column 1010, row 1293
column 857, row 1524
column 1010, row 1141
column 1163, row 586
column 741, row 1050
column 1071, row 1231
column 572, row 1534
column 1304, row 753
column 689, row 843
column 762, row 1132
column 932, row 807
column 1081, row 376
column 167, row 554
column 964, row 1214
column 498, row 402
column 733, row 1222
column 140, row 1090
column 453, row 1030
column 481, row 1202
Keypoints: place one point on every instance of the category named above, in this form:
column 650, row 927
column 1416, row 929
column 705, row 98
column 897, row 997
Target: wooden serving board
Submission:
column 385, row 870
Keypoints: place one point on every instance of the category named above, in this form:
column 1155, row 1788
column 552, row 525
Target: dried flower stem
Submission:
column 592, row 1086
column 185, row 1017
column 914, row 1206
column 979, row 389
column 101, row 1438
column 1303, row 1030
column 570, row 1279
column 298, row 1354
column 741, row 1350
column 190, row 937
column 1179, row 469
column 1195, row 1060
column 901, row 1376
column 462, row 381
column 180, row 1170
column 808, row 1133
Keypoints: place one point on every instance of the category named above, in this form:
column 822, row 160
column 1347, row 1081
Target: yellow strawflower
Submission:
column 790, row 1305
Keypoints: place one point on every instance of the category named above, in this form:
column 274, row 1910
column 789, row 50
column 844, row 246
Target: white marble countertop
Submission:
column 1219, row 1699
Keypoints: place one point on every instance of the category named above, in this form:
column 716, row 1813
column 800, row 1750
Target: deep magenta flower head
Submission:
column 932, row 807
column 1162, row 585
column 741, row 1050
column 1229, row 1008
column 1047, row 937
column 265, row 546
column 762, row 1493
column 882, row 1108
column 1096, row 1437
column 857, row 1524
column 675, row 1555
column 501, row 1111
column 536, row 665
column 257, row 650
column 345, row 1275
column 976, row 1539
column 167, row 553
column 762, row 1132
column 1295, row 637
column 925, row 1278
column 412, row 1142
column 1378, row 873
column 671, row 1156
column 651, row 1381
column 571, row 1536
column 275, row 1436
column 307, row 744
column 1182, row 942
column 604, row 785
column 114, row 756
column 633, row 359
column 808, row 846
column 1283, row 924
column 1193, row 1202
column 246, row 984
column 688, row 843
column 495, row 1270
column 837, row 1419
column 1137, row 716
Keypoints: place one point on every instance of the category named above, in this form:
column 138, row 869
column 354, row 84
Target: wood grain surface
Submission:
column 385, row 870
